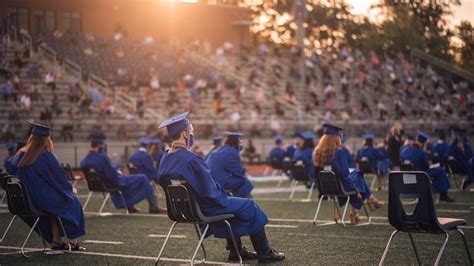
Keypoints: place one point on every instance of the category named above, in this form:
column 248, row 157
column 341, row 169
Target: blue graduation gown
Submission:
column 290, row 151
column 465, row 160
column 144, row 164
column 351, row 181
column 417, row 156
column 372, row 154
column 157, row 158
column 277, row 152
column 135, row 187
column 213, row 200
column 306, row 156
column 51, row 193
column 385, row 164
column 227, row 170
column 8, row 164
column 441, row 150
column 350, row 158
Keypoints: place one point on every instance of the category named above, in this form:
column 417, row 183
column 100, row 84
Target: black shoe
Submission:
column 244, row 253
column 446, row 198
column 272, row 256
column 465, row 185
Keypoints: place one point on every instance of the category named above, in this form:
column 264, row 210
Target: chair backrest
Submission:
column 365, row 166
column 286, row 165
column 275, row 163
column 411, row 187
column 453, row 166
column 3, row 180
column 407, row 165
column 298, row 171
column 132, row 169
column 181, row 202
column 94, row 180
column 67, row 168
column 18, row 198
column 330, row 184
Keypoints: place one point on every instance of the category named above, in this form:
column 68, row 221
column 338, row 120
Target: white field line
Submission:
column 103, row 242
column 281, row 226
column 164, row 236
column 267, row 178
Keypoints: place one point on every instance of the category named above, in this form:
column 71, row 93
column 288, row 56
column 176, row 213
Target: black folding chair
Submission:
column 330, row 187
column 421, row 218
column 286, row 165
column 19, row 204
column 183, row 207
column 95, row 183
column 407, row 165
column 3, row 174
column 299, row 173
column 366, row 168
column 275, row 163
column 454, row 170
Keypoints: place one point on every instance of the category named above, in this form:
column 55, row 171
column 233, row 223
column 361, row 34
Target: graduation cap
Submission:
column 308, row 135
column 298, row 135
column 144, row 141
column 10, row 146
column 421, row 136
column 156, row 141
column 278, row 139
column 39, row 130
column 176, row 124
column 217, row 140
column 331, row 129
column 233, row 135
column 368, row 136
column 459, row 132
column 97, row 138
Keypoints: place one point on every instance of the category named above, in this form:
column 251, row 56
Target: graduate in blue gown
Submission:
column 297, row 141
column 409, row 140
column 350, row 158
column 277, row 152
column 415, row 154
column 49, row 189
column 11, row 149
column 156, row 151
column 143, row 162
column 370, row 152
column 181, row 162
column 216, row 144
column 440, row 150
column 304, row 153
column 329, row 152
column 135, row 187
column 462, row 152
column 227, row 169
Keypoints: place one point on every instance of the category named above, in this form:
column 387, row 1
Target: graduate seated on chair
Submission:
column 415, row 154
column 49, row 189
column 329, row 152
column 156, row 151
column 227, row 169
column 304, row 153
column 135, row 187
column 216, row 144
column 249, row 219
column 11, row 148
column 276, row 155
column 462, row 152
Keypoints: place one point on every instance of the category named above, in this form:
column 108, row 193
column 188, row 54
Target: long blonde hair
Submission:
column 34, row 146
column 324, row 152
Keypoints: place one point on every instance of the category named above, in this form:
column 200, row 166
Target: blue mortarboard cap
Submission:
column 278, row 139
column 217, row 140
column 10, row 146
column 144, row 141
column 232, row 134
column 176, row 124
column 40, row 130
column 97, row 138
column 308, row 135
column 156, row 141
column 421, row 136
column 331, row 129
column 298, row 135
column 459, row 132
column 368, row 136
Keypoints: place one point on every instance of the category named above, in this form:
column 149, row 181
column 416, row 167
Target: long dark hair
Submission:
column 234, row 142
column 33, row 148
column 308, row 143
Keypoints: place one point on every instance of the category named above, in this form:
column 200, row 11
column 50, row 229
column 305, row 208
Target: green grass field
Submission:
column 136, row 239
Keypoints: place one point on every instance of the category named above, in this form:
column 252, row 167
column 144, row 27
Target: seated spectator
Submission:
column 46, row 115
column 49, row 189
column 56, row 105
column 95, row 95
column 50, row 80
column 135, row 187
column 8, row 91
column 33, row 72
column 67, row 132
column 25, row 101
column 250, row 152
column 36, row 93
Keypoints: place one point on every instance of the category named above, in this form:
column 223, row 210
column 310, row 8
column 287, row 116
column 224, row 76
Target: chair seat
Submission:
column 210, row 219
column 450, row 223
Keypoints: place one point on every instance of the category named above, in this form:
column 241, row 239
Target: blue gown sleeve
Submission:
column 109, row 171
column 149, row 166
column 234, row 165
column 340, row 163
column 423, row 161
column 55, row 175
column 205, row 185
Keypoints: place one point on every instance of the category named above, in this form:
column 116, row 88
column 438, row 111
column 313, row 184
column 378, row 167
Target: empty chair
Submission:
column 20, row 205
column 299, row 173
column 330, row 187
column 183, row 207
column 95, row 183
column 422, row 218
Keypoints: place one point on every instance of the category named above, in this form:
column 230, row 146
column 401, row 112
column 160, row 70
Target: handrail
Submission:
column 48, row 52
column 72, row 67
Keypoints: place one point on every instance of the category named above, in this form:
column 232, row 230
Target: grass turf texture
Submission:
column 302, row 242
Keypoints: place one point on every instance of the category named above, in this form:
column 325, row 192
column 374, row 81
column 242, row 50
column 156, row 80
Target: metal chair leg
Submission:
column 233, row 241
column 338, row 209
column 3, row 197
column 438, row 258
column 8, row 228
column 198, row 232
column 199, row 244
column 166, row 242
column 345, row 211
column 387, row 247
column 321, row 199
column 372, row 185
column 89, row 196
column 369, row 218
column 65, row 234
column 42, row 239
column 28, row 237
column 465, row 245
column 313, row 184
column 414, row 248
column 294, row 184
column 104, row 202
column 123, row 201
